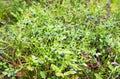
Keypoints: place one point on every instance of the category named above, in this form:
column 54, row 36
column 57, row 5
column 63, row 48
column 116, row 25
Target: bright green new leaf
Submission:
column 43, row 74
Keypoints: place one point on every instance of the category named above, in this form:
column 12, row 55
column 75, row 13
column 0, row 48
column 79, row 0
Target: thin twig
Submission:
column 109, row 76
column 115, row 67
column 109, row 8
column 115, row 58
column 86, row 75
column 4, row 48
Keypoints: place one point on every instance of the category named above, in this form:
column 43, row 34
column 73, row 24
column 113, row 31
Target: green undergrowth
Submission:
column 68, row 40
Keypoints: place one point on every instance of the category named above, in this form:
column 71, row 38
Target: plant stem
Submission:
column 109, row 8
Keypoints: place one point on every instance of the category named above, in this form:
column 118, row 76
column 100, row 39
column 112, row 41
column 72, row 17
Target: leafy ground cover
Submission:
column 61, row 40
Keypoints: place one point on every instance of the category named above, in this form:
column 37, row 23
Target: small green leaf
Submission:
column 59, row 74
column 98, row 76
column 43, row 74
column 69, row 72
column 30, row 68
column 55, row 68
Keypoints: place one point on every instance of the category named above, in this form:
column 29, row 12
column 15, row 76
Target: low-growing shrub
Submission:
column 61, row 41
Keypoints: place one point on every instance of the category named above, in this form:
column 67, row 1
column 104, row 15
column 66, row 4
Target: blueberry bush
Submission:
column 57, row 39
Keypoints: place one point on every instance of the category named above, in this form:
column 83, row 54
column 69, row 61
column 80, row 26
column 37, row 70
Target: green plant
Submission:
column 61, row 41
